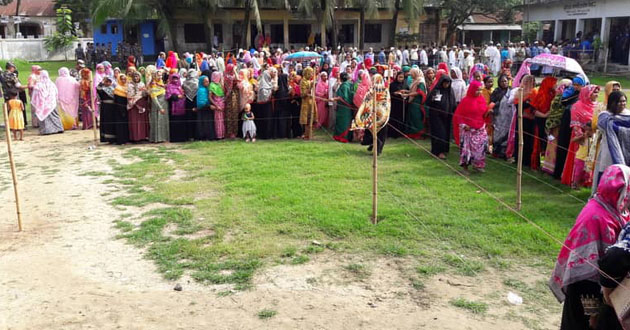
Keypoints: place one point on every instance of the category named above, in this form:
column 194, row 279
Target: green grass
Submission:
column 266, row 314
column 601, row 80
column 360, row 271
column 271, row 200
column 472, row 306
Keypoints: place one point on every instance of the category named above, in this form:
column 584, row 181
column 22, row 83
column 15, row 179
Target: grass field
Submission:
column 231, row 207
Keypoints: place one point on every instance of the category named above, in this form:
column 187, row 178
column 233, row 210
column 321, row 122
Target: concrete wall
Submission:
column 34, row 50
column 577, row 10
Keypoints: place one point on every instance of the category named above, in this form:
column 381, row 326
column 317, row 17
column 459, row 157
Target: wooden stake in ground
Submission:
column 374, row 161
column 93, row 97
column 13, row 174
column 519, row 168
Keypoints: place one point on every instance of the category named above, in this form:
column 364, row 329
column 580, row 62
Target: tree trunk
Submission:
column 333, row 35
column 207, row 24
column 245, row 39
column 171, row 33
column 17, row 12
column 362, row 29
column 392, row 34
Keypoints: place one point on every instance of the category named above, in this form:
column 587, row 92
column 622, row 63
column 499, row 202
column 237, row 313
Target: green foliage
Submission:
column 64, row 36
column 472, row 306
column 266, row 314
column 457, row 12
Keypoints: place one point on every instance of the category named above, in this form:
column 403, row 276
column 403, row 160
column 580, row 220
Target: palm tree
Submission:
column 369, row 8
column 412, row 9
column 324, row 10
column 136, row 11
column 253, row 7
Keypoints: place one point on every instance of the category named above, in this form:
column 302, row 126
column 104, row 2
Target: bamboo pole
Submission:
column 12, row 162
column 374, row 161
column 93, row 97
column 519, row 169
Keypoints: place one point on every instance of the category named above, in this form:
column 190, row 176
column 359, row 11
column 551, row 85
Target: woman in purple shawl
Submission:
column 177, row 109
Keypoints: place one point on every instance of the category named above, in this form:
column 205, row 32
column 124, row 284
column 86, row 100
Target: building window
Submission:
column 277, row 34
column 194, row 33
column 114, row 28
column 373, row 33
column 218, row 31
column 346, row 35
column 104, row 29
column 298, row 33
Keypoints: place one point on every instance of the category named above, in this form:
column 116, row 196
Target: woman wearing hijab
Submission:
column 306, row 111
column 333, row 85
column 68, row 98
column 527, row 84
column 283, row 108
column 121, row 118
column 429, row 77
column 105, row 92
column 458, row 85
column 581, row 115
column 217, row 102
column 205, row 112
column 158, row 116
column 262, row 108
column 99, row 74
column 502, row 112
column 295, row 93
column 321, row 99
column 469, row 129
column 190, row 86
column 542, row 104
column 345, row 95
column 232, row 100
column 415, row 120
column 552, row 127
column 569, row 97
column 85, row 98
column 397, row 90
column 171, row 61
column 177, row 109
column 137, row 109
column 33, row 78
column 575, row 275
column 441, row 103
column 45, row 101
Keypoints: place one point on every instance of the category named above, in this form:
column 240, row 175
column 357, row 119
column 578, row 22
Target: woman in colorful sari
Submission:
column 68, row 97
column 45, row 101
column 205, row 113
column 262, row 109
column 321, row 99
column 232, row 100
column 177, row 109
column 552, row 127
column 416, row 97
column 105, row 92
column 217, row 101
column 306, row 112
column 469, row 129
column 98, row 78
column 429, row 77
column 441, row 104
column 295, row 104
column 190, row 86
column 343, row 119
column 569, row 97
column 398, row 90
column 85, row 98
column 137, row 109
column 527, row 84
column 575, row 275
column 333, row 85
column 581, row 115
column 158, row 116
column 611, row 86
column 502, row 112
column 33, row 78
column 613, row 124
column 542, row 104
column 121, row 118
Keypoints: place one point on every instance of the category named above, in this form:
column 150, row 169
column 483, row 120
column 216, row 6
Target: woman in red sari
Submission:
column 469, row 129
column 542, row 103
column 581, row 114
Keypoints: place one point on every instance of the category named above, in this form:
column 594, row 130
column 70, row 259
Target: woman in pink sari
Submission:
column 217, row 99
column 321, row 97
column 98, row 78
column 32, row 81
column 68, row 97
column 45, row 101
column 596, row 228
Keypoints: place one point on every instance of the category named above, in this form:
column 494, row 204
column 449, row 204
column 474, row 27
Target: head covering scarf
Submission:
column 191, row 84
column 44, row 96
column 546, row 93
column 121, row 86
column 283, row 86
column 438, row 77
column 362, row 89
column 68, row 92
column 229, row 76
column 171, row 60
column 417, row 81
column 220, row 64
column 608, row 89
column 479, row 67
column 265, row 87
column 443, row 66
column 570, row 91
column 215, row 84
column 596, row 228
column 582, row 110
column 148, row 74
column 85, row 85
column 203, row 95
column 131, row 61
column 428, row 81
column 523, row 71
column 174, row 88
column 109, row 90
column 470, row 110
column 246, row 90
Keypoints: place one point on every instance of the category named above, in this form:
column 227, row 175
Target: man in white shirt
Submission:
column 494, row 58
column 424, row 58
column 452, row 57
column 442, row 56
column 405, row 56
column 468, row 62
column 413, row 55
column 370, row 55
column 399, row 56
column 511, row 51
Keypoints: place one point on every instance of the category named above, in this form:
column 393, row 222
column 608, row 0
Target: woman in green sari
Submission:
column 158, row 116
column 345, row 94
column 417, row 95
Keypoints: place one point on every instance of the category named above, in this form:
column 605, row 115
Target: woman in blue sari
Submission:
column 205, row 115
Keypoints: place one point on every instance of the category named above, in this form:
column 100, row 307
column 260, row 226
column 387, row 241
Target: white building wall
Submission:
column 577, row 10
column 34, row 50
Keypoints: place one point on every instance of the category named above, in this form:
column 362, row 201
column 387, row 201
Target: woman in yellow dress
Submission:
column 307, row 110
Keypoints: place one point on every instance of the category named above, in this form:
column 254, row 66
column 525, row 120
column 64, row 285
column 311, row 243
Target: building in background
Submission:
column 145, row 34
column 36, row 19
column 480, row 28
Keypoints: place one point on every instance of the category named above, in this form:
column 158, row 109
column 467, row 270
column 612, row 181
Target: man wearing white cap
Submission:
column 452, row 57
column 494, row 58
column 370, row 54
column 468, row 62
column 423, row 57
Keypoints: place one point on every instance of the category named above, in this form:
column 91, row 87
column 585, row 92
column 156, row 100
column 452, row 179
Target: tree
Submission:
column 324, row 11
column 136, row 11
column 458, row 11
column 412, row 9
column 63, row 38
column 80, row 13
column 367, row 8
column 207, row 8
column 252, row 7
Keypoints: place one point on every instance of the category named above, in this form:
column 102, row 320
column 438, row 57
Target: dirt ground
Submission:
column 67, row 270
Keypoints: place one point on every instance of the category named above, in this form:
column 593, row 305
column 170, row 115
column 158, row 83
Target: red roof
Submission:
column 43, row 8
column 492, row 19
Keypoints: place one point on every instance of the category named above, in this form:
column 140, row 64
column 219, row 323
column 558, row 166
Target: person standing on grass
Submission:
column 16, row 118
column 137, row 109
column 176, row 99
column 33, row 78
column 158, row 117
column 469, row 129
column 68, row 88
column 45, row 101
column 441, row 104
column 575, row 277
column 415, row 116
column 343, row 120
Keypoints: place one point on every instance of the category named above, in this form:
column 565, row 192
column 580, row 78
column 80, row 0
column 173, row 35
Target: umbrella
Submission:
column 303, row 56
column 558, row 61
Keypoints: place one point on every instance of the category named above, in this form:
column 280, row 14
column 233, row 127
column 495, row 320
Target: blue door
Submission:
column 147, row 38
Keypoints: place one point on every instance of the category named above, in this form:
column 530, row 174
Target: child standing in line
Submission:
column 581, row 177
column 249, row 127
column 16, row 117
